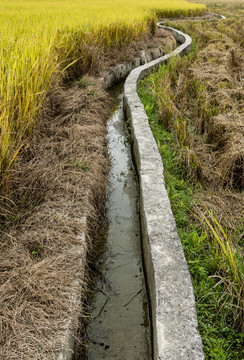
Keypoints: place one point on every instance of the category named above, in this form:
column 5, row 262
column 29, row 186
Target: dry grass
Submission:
column 43, row 41
column 220, row 111
column 60, row 180
column 161, row 39
column 201, row 99
column 211, row 91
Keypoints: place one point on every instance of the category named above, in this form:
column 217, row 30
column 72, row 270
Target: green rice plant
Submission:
column 232, row 273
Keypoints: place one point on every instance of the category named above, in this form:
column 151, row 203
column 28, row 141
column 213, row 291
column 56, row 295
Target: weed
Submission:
column 34, row 252
column 79, row 165
column 84, row 82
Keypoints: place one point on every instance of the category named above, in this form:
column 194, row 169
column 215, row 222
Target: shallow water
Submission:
column 119, row 326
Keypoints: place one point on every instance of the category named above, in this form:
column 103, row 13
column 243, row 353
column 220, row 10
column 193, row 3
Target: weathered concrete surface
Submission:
column 174, row 320
column 218, row 16
column 119, row 73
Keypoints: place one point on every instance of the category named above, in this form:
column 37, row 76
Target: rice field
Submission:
column 41, row 42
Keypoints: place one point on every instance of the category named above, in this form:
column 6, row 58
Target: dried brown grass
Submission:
column 207, row 94
column 51, row 211
column 207, row 91
column 214, row 84
column 41, row 244
column 161, row 39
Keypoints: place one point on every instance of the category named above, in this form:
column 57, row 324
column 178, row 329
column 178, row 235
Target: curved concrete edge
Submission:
column 173, row 311
column 112, row 77
column 118, row 73
column 221, row 17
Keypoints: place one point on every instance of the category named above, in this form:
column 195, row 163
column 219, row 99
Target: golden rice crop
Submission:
column 40, row 39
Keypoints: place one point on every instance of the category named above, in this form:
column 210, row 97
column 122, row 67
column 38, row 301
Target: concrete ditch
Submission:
column 120, row 72
column 173, row 313
column 174, row 320
column 173, row 310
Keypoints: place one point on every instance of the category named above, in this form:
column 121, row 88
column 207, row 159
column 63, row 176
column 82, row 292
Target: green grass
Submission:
column 220, row 340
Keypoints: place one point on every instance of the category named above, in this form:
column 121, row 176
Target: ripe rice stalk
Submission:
column 182, row 133
column 41, row 42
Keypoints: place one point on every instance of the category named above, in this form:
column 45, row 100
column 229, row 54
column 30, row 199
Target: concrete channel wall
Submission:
column 119, row 73
column 173, row 312
column 174, row 324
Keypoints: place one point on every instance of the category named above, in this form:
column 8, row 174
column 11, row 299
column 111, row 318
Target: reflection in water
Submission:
column 119, row 326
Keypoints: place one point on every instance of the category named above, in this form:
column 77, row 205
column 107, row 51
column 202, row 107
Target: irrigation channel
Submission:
column 119, row 326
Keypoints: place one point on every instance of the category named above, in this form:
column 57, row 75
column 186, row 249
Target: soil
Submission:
column 55, row 202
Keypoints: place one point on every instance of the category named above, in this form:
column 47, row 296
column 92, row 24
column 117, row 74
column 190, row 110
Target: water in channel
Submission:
column 119, row 326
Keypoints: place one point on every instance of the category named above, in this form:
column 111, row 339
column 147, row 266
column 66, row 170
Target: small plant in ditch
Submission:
column 83, row 165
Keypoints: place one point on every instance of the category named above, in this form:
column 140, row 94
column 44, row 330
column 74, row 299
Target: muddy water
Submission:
column 119, row 326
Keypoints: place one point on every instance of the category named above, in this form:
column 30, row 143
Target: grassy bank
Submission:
column 195, row 107
column 42, row 42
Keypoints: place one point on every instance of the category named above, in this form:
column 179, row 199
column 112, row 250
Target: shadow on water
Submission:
column 119, row 326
